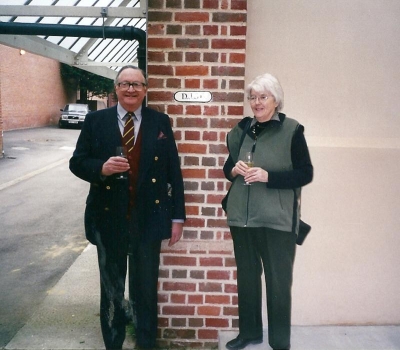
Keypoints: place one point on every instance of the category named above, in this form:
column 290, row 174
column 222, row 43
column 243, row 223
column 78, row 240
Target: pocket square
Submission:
column 161, row 136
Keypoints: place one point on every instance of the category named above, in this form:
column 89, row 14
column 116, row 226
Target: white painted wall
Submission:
column 339, row 65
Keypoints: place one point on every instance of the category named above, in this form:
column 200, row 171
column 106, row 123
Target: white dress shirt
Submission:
column 122, row 118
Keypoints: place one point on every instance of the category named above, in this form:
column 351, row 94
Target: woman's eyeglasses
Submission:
column 262, row 98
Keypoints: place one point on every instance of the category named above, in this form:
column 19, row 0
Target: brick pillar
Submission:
column 198, row 45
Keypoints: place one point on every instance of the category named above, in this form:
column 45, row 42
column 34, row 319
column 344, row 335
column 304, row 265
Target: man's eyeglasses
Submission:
column 137, row 85
column 262, row 98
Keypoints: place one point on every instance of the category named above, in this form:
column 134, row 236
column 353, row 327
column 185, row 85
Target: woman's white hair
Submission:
column 267, row 83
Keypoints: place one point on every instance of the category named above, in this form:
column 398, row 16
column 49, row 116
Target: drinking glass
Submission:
column 121, row 152
column 248, row 159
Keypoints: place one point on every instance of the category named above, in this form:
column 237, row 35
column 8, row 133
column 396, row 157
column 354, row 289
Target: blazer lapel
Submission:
column 111, row 130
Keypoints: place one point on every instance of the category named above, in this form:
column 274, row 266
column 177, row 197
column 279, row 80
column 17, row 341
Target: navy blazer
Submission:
column 160, row 192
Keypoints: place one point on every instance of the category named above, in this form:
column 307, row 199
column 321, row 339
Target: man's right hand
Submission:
column 115, row 165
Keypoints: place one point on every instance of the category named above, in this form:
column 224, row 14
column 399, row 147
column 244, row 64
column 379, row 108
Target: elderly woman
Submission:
column 263, row 211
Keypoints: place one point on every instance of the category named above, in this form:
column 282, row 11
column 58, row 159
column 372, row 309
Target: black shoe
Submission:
column 240, row 343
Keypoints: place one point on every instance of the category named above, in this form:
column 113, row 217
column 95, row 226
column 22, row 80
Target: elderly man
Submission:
column 134, row 212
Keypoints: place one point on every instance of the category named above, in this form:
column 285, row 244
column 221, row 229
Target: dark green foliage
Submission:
column 88, row 83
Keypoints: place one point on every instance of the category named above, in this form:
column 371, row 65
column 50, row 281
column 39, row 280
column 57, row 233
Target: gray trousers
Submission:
column 258, row 249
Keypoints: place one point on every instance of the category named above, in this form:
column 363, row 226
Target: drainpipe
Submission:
column 125, row 33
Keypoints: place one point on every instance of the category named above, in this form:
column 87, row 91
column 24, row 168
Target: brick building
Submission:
column 198, row 46
column 193, row 45
column 31, row 90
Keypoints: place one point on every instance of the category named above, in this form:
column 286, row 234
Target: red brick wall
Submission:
column 31, row 90
column 198, row 45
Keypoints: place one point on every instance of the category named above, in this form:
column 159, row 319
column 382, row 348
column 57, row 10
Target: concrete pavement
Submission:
column 69, row 316
column 333, row 338
column 69, row 319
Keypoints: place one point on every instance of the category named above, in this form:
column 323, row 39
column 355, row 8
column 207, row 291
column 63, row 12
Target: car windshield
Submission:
column 75, row 108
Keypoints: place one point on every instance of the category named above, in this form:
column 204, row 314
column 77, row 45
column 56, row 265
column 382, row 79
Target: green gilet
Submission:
column 257, row 205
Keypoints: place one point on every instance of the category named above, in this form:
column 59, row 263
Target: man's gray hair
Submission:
column 131, row 67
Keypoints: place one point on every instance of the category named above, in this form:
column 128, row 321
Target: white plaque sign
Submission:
column 193, row 96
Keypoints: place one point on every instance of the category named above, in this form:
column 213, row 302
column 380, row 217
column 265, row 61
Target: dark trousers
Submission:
column 144, row 259
column 255, row 249
column 113, row 266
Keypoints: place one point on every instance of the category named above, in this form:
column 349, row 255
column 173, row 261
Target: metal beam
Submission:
column 125, row 33
column 44, row 48
column 39, row 46
column 74, row 11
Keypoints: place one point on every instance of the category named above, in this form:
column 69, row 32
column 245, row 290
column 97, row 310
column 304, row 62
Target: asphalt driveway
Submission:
column 41, row 220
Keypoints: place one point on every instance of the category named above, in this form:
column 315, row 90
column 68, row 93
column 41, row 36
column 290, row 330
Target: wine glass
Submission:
column 121, row 152
column 248, row 159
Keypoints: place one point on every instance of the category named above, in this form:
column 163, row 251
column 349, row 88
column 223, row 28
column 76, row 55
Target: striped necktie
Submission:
column 128, row 137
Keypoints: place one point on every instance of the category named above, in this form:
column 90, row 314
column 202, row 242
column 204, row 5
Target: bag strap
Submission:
column 225, row 199
column 246, row 128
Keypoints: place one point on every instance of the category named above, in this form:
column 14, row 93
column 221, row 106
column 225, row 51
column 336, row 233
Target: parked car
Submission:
column 73, row 114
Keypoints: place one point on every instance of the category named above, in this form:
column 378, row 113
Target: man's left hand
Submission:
column 176, row 233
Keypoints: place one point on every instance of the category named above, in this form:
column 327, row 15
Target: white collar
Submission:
column 121, row 111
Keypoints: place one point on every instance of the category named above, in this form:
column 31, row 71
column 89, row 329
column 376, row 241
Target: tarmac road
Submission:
column 41, row 220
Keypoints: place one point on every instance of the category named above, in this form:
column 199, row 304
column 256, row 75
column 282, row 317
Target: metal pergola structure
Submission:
column 99, row 36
